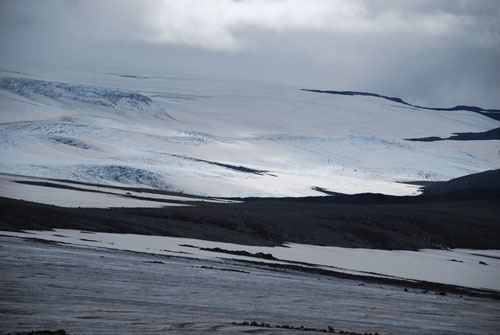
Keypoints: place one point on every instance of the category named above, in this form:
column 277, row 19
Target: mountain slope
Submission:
column 488, row 180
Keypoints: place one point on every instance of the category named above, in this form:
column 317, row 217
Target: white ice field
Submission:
column 227, row 138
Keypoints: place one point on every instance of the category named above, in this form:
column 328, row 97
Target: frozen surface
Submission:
column 86, row 195
column 457, row 267
column 89, row 291
column 203, row 136
column 70, row 198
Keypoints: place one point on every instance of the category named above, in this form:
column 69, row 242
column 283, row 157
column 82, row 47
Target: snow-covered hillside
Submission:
column 226, row 137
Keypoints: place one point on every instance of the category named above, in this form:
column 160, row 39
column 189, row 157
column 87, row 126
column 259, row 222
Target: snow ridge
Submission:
column 492, row 113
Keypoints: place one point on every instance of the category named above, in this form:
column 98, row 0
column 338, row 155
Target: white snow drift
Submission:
column 457, row 267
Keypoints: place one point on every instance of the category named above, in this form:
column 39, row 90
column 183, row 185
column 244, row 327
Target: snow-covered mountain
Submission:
column 228, row 138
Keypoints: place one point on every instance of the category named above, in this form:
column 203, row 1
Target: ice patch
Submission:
column 123, row 174
column 71, row 198
column 103, row 96
column 73, row 143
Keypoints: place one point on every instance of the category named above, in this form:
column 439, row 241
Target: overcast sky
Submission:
column 440, row 52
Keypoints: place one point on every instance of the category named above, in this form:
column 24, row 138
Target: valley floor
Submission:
column 292, row 262
column 471, row 224
column 86, row 291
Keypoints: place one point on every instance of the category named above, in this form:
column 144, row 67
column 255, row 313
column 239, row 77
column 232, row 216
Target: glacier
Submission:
column 208, row 136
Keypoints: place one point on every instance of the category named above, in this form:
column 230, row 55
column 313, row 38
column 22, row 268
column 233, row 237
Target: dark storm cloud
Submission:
column 429, row 52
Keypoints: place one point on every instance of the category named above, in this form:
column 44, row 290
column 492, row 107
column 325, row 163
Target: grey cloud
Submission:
column 428, row 52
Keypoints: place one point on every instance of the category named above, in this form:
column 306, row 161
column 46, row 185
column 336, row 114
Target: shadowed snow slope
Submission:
column 210, row 136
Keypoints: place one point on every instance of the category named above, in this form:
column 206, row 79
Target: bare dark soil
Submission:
column 460, row 213
column 435, row 224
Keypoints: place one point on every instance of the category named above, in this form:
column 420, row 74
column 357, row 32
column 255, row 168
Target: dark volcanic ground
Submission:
column 463, row 223
column 461, row 213
column 88, row 291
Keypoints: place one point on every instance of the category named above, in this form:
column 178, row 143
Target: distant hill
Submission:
column 492, row 113
column 488, row 180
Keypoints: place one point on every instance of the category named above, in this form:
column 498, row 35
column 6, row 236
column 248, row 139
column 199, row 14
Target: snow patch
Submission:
column 462, row 267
